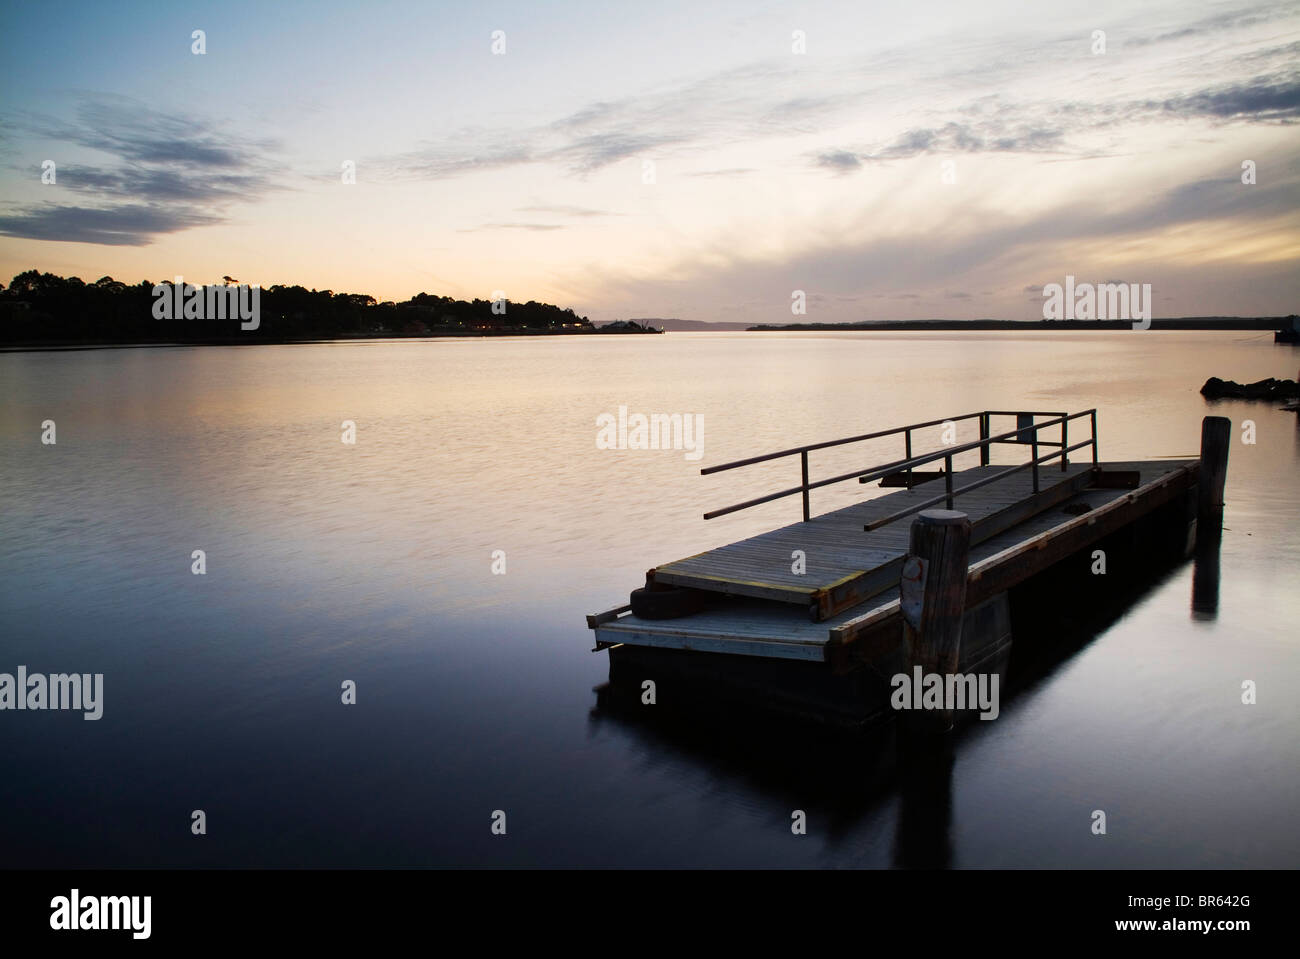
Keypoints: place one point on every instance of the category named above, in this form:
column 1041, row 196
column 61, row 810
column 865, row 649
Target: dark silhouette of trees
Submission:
column 41, row 308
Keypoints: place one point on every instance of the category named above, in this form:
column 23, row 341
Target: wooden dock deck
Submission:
column 853, row 575
column 846, row 565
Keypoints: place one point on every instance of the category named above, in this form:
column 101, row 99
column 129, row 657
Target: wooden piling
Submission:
column 932, row 596
column 1216, row 435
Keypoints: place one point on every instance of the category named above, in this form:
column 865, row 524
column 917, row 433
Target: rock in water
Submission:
column 1269, row 389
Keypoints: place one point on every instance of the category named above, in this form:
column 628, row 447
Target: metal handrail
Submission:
column 851, row 439
column 949, row 493
column 909, row 462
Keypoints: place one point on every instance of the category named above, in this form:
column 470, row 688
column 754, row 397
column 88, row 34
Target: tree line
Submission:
column 42, row 308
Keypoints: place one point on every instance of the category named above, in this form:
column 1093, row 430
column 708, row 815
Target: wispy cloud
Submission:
column 726, row 172
column 165, row 173
column 156, row 184
column 750, row 103
column 537, row 227
column 989, row 137
column 575, row 211
column 996, row 125
column 127, row 225
column 987, row 249
column 838, row 161
column 1265, row 99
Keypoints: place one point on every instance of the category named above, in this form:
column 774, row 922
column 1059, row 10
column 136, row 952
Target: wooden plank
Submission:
column 720, row 582
column 597, row 619
column 754, row 619
column 772, row 649
column 846, row 566
column 1022, row 510
column 855, row 589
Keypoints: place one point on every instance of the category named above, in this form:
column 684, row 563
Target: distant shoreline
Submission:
column 1044, row 326
column 54, row 346
column 1185, row 324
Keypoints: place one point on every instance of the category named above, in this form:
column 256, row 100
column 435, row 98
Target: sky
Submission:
column 694, row 160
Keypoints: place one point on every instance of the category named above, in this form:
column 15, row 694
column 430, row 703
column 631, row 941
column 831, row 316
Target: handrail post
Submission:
column 1094, row 437
column 1065, row 443
column 1034, row 453
column 947, row 477
column 804, row 458
column 907, row 451
column 985, row 450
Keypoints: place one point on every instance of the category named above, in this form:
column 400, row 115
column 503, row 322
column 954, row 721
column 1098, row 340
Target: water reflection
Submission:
column 850, row 776
column 1205, row 570
column 843, row 774
column 922, row 837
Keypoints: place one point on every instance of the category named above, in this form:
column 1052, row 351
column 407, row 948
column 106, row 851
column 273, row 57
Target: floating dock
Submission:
column 817, row 636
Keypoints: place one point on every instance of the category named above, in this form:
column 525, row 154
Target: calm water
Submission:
column 328, row 562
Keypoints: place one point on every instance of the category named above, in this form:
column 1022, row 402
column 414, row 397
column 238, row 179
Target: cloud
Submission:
column 1215, row 25
column 778, row 99
column 591, row 153
column 727, row 172
column 441, row 162
column 991, row 136
column 514, row 226
column 130, row 131
column 839, row 161
column 996, row 125
column 576, row 211
column 154, row 184
column 128, row 225
column 167, row 173
column 1261, row 100
column 986, row 250
column 726, row 107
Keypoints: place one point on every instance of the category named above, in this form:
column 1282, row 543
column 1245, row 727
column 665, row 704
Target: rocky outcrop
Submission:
column 1269, row 389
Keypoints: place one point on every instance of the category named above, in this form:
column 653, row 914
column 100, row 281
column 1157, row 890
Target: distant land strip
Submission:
column 45, row 311
column 1174, row 323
